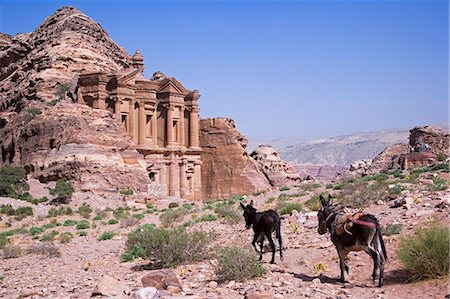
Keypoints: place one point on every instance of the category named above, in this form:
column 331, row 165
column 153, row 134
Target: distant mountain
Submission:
column 335, row 151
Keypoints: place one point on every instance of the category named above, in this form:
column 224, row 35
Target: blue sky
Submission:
column 285, row 68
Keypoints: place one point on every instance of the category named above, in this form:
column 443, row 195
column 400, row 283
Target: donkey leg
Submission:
column 272, row 246
column 261, row 244
column 281, row 246
column 255, row 238
column 375, row 258
column 342, row 264
column 380, row 280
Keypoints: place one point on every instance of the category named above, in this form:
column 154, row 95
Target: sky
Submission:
column 284, row 68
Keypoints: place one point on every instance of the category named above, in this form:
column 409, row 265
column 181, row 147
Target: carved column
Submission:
column 193, row 134
column 181, row 127
column 183, row 186
column 169, row 125
column 197, row 180
column 141, row 124
column 172, row 178
column 118, row 108
column 101, row 99
column 131, row 120
column 155, row 127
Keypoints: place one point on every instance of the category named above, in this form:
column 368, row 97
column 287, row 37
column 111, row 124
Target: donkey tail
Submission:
column 381, row 243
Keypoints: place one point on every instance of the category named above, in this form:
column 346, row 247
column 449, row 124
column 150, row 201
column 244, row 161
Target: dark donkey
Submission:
column 353, row 233
column 263, row 225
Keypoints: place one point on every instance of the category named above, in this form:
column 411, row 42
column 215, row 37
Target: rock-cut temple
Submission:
column 161, row 117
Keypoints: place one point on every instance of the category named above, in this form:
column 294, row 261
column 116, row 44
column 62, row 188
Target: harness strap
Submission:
column 355, row 219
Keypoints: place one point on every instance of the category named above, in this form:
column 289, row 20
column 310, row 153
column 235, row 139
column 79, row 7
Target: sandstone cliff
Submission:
column 436, row 138
column 278, row 172
column 227, row 168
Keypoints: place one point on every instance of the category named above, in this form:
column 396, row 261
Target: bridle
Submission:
column 325, row 223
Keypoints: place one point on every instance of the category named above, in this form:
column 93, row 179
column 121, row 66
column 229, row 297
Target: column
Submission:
column 183, row 186
column 181, row 127
column 118, row 109
column 131, row 120
column 155, row 127
column 193, row 134
column 197, row 180
column 169, row 125
column 101, row 100
column 171, row 178
column 141, row 124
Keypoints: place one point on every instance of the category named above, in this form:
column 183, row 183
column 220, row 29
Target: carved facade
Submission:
column 161, row 116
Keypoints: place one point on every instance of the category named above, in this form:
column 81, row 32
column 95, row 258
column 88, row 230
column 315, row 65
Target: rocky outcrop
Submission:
column 278, row 172
column 388, row 158
column 227, row 169
column 74, row 142
column 65, row 44
column 436, row 138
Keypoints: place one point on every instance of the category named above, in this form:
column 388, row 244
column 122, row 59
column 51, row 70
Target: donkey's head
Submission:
column 324, row 214
column 249, row 214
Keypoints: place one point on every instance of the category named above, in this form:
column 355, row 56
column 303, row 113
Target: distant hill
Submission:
column 334, row 151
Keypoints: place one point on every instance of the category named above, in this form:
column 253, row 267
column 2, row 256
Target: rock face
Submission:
column 227, row 168
column 278, row 172
column 436, row 138
column 65, row 44
column 75, row 142
column 388, row 158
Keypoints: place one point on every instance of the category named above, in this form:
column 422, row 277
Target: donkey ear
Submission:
column 330, row 199
column 242, row 206
column 251, row 203
column 323, row 201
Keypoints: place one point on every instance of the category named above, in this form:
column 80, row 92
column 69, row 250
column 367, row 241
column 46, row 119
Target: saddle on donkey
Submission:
column 344, row 222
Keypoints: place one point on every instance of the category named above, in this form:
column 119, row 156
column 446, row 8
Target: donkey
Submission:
column 358, row 233
column 263, row 225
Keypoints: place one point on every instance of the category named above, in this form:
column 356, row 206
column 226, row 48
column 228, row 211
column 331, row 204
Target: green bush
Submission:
column 173, row 205
column 35, row 230
column 49, row 236
column 83, row 224
column 361, row 193
column 106, row 235
column 82, row 233
column 392, row 229
column 440, row 166
column 112, row 221
column 309, row 186
column 62, row 189
column 426, row 253
column 128, row 191
column 238, row 264
column 53, row 212
column 286, row 208
column 36, row 201
column 439, row 184
column 13, row 181
column 396, row 189
column 229, row 213
column 3, row 241
column 168, row 247
column 21, row 211
column 69, row 222
column 170, row 216
column 84, row 210
column 138, row 216
column 441, row 157
column 65, row 237
column 97, row 218
column 314, row 202
column 120, row 212
column 284, row 188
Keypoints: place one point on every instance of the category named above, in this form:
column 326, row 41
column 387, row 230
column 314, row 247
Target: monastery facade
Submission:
column 161, row 116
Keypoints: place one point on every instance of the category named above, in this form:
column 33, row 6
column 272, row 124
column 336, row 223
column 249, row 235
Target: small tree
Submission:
column 62, row 189
column 13, row 181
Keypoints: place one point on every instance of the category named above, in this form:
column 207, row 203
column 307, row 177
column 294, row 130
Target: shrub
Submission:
column 82, row 233
column 69, row 222
column 426, row 253
column 392, row 229
column 169, row 247
column 173, row 205
column 138, row 216
column 360, row 193
column 137, row 251
column 53, row 212
column 11, row 251
column 439, row 184
column 228, row 213
column 34, row 111
column 206, row 218
column 170, row 216
column 441, row 157
column 21, row 211
column 120, row 212
column 97, row 218
column 309, row 186
column 128, row 221
column 3, row 241
column 83, row 224
column 107, row 235
column 112, row 221
column 53, row 223
column 13, row 181
column 85, row 210
column 286, row 208
column 62, row 189
column 36, row 201
column 128, row 191
column 396, row 189
column 238, row 264
column 65, row 237
column 314, row 202
column 35, row 230
column 284, row 188
column 46, row 249
column 49, row 236
column 440, row 166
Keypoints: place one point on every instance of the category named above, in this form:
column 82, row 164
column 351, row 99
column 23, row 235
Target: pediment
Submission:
column 171, row 85
column 129, row 77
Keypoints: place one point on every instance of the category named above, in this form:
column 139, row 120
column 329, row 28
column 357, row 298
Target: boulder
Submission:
column 110, row 287
column 278, row 172
column 144, row 293
column 258, row 295
column 163, row 279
